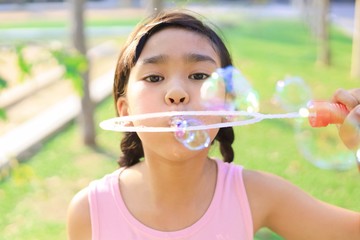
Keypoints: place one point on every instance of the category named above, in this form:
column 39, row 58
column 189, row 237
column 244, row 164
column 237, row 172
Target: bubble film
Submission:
column 228, row 89
column 193, row 139
column 292, row 93
column 322, row 146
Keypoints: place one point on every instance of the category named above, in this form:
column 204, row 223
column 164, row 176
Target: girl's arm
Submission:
column 349, row 131
column 78, row 220
column 293, row 214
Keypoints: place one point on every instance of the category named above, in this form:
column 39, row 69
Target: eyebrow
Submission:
column 192, row 58
column 195, row 57
column 155, row 59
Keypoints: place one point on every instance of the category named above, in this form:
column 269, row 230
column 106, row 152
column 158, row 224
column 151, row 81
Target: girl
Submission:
column 165, row 191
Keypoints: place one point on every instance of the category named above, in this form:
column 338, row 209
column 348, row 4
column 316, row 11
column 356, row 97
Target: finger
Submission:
column 350, row 129
column 356, row 94
column 349, row 98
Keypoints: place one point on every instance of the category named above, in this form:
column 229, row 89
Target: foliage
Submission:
column 75, row 64
column 3, row 115
column 3, row 84
column 24, row 66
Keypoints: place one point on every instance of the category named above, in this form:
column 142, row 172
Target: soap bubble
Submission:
column 212, row 92
column 228, row 89
column 193, row 139
column 322, row 146
column 292, row 93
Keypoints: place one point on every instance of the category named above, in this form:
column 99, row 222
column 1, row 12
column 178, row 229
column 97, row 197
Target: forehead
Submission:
column 173, row 41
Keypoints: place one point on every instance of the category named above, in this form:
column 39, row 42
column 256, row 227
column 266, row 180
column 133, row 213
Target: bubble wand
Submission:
column 228, row 95
column 319, row 113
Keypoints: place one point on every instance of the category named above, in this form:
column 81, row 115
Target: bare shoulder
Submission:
column 264, row 190
column 78, row 220
column 257, row 182
column 288, row 210
column 258, row 178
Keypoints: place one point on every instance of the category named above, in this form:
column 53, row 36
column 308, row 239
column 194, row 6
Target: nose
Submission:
column 176, row 95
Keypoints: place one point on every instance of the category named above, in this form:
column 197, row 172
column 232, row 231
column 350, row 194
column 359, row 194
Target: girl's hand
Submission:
column 349, row 131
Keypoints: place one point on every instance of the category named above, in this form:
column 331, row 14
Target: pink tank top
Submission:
column 227, row 218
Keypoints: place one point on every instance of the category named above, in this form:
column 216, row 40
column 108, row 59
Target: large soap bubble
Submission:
column 228, row 89
column 225, row 89
column 322, row 146
column 292, row 93
column 319, row 145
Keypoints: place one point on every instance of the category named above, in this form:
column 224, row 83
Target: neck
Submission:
column 178, row 182
column 182, row 188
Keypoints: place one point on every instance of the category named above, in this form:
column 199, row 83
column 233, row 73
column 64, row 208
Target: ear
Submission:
column 122, row 107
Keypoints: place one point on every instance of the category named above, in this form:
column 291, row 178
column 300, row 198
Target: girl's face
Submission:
column 168, row 75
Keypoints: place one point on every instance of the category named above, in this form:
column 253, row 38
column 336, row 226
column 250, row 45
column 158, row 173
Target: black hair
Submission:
column 131, row 144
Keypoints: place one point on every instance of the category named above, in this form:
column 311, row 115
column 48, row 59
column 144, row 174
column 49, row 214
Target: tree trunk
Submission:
column 323, row 55
column 86, row 117
column 315, row 15
column 355, row 61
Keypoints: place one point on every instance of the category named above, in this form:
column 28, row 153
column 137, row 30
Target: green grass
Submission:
column 35, row 197
column 39, row 23
column 282, row 49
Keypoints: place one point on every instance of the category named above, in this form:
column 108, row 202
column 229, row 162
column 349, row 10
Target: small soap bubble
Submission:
column 228, row 89
column 322, row 146
column 193, row 139
column 292, row 93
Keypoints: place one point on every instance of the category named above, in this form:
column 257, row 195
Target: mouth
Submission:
column 176, row 121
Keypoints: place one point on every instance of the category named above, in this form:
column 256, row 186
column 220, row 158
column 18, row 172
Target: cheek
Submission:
column 213, row 133
column 142, row 100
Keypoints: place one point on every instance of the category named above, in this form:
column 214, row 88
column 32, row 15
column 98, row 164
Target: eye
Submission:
column 153, row 78
column 199, row 76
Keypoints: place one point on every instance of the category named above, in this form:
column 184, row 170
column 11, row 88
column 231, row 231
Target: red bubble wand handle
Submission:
column 322, row 113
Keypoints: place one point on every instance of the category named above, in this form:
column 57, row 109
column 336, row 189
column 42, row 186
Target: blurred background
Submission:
column 57, row 61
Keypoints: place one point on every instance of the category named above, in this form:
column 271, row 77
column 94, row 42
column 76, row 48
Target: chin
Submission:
column 166, row 146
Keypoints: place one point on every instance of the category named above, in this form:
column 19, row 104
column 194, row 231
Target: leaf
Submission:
column 76, row 81
column 75, row 65
column 3, row 115
column 24, row 66
column 3, row 83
